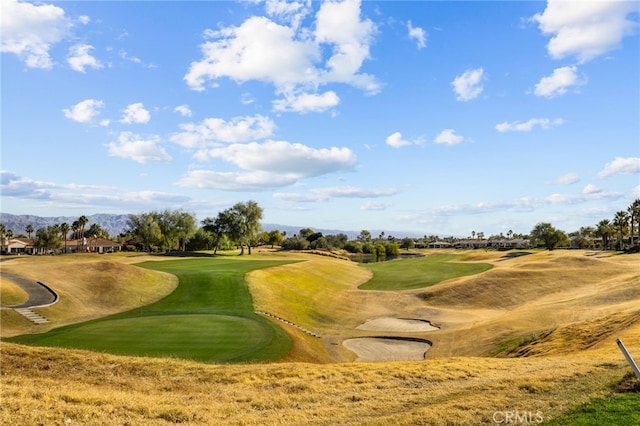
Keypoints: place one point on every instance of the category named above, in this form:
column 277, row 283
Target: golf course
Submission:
column 441, row 337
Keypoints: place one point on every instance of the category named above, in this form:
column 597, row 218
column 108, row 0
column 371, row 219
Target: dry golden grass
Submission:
column 562, row 310
column 11, row 294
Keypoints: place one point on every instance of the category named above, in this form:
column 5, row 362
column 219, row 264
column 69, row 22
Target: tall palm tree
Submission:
column 604, row 230
column 82, row 221
column 64, row 229
column 634, row 217
column 621, row 222
column 29, row 230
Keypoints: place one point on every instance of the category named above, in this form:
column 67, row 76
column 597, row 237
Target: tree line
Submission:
column 240, row 227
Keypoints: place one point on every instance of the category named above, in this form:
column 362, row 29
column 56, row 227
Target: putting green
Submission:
column 199, row 337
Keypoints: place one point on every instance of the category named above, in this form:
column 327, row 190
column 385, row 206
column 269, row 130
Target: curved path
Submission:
column 39, row 294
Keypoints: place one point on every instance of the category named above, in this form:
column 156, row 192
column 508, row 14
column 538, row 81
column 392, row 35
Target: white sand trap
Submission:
column 397, row 324
column 387, row 349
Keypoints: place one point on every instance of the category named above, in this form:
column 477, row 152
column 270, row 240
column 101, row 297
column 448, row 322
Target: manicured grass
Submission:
column 209, row 317
column 408, row 274
column 619, row 409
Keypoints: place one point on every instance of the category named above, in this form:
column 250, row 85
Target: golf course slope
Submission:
column 533, row 333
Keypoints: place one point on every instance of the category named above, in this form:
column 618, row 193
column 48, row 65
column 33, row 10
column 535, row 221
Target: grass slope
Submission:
column 208, row 317
column 49, row 386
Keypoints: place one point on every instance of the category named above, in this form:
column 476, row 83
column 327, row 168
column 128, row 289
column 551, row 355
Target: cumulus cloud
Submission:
column 288, row 56
column 375, row 206
column 591, row 189
column 84, row 111
column 449, row 137
column 566, row 179
column 417, row 34
column 557, row 83
column 267, row 165
column 79, row 58
column 30, row 31
column 139, row 149
column 307, row 102
column 135, row 113
column 621, row 166
column 324, row 194
column 286, row 158
column 527, row 126
column 585, row 29
column 183, row 110
column 396, row 140
column 235, row 181
column 468, row 85
column 213, row 131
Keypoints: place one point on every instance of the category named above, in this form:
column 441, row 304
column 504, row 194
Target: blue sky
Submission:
column 430, row 117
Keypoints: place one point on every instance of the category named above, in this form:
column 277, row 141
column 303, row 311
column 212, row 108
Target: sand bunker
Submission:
column 397, row 324
column 388, row 348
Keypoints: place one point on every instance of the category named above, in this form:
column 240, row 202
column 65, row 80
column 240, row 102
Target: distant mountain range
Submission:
column 115, row 224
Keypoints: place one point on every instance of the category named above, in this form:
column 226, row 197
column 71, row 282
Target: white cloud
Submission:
column 621, row 166
column 79, row 58
column 84, row 19
column 292, row 12
column 134, row 147
column 375, row 206
column 324, row 194
column 135, row 113
column 566, row 179
column 396, row 140
column 212, row 131
column 527, row 126
column 84, row 111
column 635, row 193
column 287, row 56
column 183, row 110
column 585, row 29
column 557, row 83
column 417, row 34
column 292, row 159
column 468, row 85
column 30, row 31
column 235, row 181
column 591, row 189
column 307, row 102
column 449, row 137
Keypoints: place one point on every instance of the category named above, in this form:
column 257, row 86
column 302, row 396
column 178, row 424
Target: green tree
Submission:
column 48, row 238
column 407, row 243
column 145, row 227
column 275, row 238
column 548, row 235
column 249, row 215
column 364, row 236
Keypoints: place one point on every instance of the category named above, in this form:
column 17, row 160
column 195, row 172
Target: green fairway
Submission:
column 209, row 317
column 408, row 274
column 620, row 409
